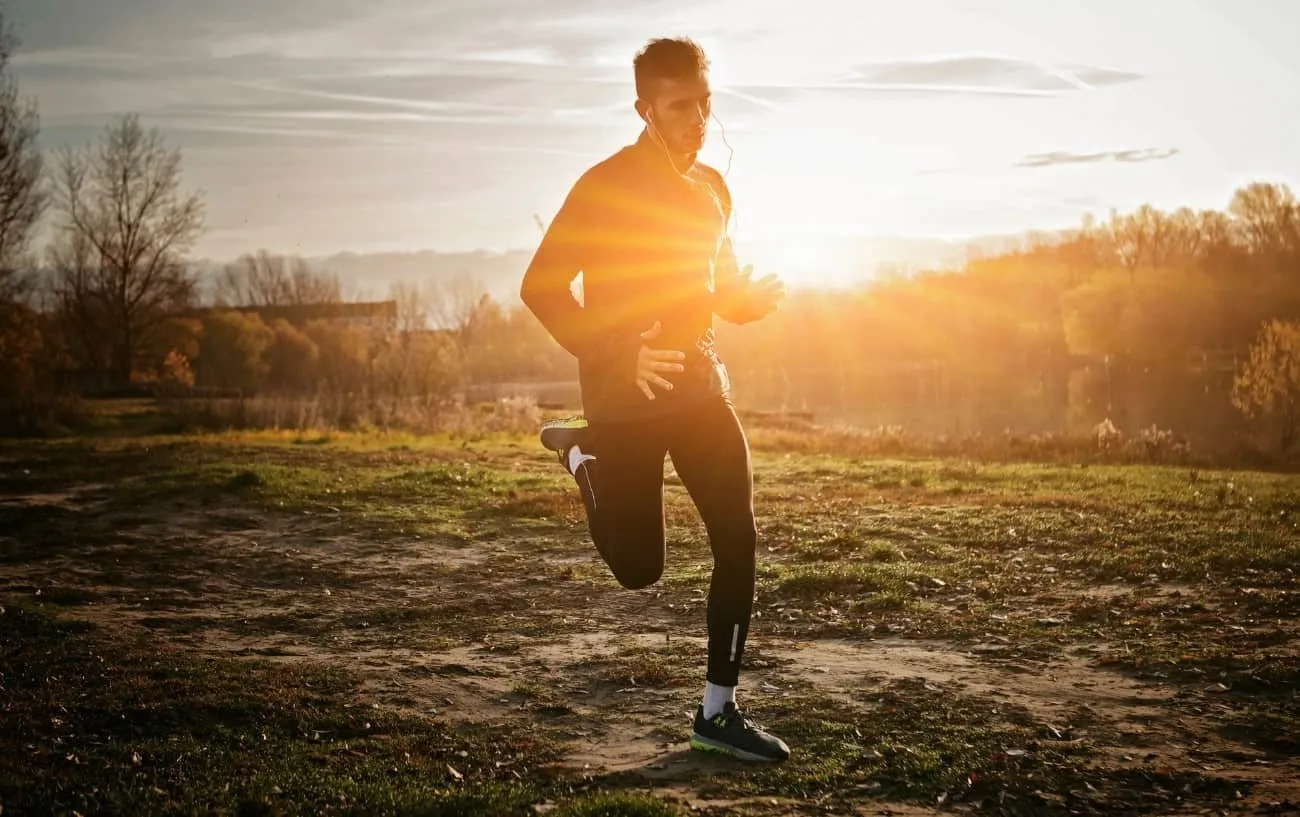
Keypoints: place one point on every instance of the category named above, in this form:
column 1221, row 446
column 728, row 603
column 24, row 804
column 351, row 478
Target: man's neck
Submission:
column 680, row 162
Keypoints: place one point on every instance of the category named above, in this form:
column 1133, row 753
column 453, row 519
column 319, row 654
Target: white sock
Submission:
column 576, row 458
column 716, row 698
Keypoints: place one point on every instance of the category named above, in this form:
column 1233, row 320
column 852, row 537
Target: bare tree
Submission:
column 22, row 200
column 1145, row 236
column 1268, row 217
column 455, row 301
column 263, row 279
column 27, row 353
column 413, row 304
column 124, row 231
column 1215, row 231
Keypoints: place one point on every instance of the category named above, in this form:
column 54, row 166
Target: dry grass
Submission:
column 348, row 413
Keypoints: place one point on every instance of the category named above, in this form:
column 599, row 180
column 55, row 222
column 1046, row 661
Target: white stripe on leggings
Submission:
column 735, row 639
column 590, row 489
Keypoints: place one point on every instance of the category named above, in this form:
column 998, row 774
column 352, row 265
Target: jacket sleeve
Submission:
column 567, row 248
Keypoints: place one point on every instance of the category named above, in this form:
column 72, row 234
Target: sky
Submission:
column 320, row 126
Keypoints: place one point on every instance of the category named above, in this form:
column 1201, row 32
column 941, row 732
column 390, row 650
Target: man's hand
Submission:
column 766, row 293
column 650, row 362
column 763, row 295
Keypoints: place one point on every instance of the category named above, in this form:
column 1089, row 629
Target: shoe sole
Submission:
column 560, row 438
column 549, row 441
column 703, row 744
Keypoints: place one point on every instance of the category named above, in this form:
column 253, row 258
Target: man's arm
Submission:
column 565, row 250
column 568, row 247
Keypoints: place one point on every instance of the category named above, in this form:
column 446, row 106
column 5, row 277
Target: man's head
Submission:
column 672, row 89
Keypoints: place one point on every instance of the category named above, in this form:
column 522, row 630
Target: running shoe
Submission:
column 730, row 732
column 562, row 434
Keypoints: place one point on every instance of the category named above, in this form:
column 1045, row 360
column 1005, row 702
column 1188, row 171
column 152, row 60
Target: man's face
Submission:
column 680, row 108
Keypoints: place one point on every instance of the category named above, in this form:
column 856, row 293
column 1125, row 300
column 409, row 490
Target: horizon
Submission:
column 319, row 129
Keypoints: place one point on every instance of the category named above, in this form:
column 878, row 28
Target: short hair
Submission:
column 668, row 58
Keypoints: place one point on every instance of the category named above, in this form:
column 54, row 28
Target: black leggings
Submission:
column 623, row 490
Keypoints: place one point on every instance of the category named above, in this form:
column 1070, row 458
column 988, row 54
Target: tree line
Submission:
column 1187, row 320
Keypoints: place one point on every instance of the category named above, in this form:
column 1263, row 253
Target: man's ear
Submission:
column 644, row 111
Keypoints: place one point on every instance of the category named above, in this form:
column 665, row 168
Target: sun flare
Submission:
column 798, row 260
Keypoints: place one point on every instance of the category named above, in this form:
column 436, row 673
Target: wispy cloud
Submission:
column 964, row 75
column 366, row 103
column 181, row 124
column 982, row 74
column 1096, row 77
column 1061, row 157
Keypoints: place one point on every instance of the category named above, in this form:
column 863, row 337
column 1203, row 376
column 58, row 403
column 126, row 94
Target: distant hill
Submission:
column 850, row 260
column 369, row 276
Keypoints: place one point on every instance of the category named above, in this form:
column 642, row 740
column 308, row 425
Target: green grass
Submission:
column 314, row 549
column 911, row 741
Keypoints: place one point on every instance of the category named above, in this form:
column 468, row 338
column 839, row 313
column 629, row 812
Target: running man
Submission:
column 647, row 229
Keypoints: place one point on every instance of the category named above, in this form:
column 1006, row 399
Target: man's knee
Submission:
column 634, row 574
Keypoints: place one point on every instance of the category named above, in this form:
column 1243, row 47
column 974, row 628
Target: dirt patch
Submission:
column 1050, row 690
column 75, row 497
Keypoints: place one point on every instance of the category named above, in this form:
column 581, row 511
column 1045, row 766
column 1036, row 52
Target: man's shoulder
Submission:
column 614, row 167
column 607, row 172
column 712, row 175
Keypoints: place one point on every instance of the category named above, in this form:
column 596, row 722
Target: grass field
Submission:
column 272, row 623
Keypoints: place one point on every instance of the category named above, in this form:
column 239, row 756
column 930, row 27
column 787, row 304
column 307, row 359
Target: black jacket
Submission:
column 651, row 245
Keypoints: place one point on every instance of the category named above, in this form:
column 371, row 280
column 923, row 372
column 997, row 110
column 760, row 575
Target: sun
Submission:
column 777, row 237
column 798, row 259
column 801, row 256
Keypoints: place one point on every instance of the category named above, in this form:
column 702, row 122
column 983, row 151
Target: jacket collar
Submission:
column 652, row 153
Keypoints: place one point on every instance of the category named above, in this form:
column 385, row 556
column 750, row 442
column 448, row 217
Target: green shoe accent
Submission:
column 577, row 421
column 699, row 745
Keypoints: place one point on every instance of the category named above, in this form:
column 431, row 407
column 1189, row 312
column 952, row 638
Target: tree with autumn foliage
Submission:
column 1268, row 387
